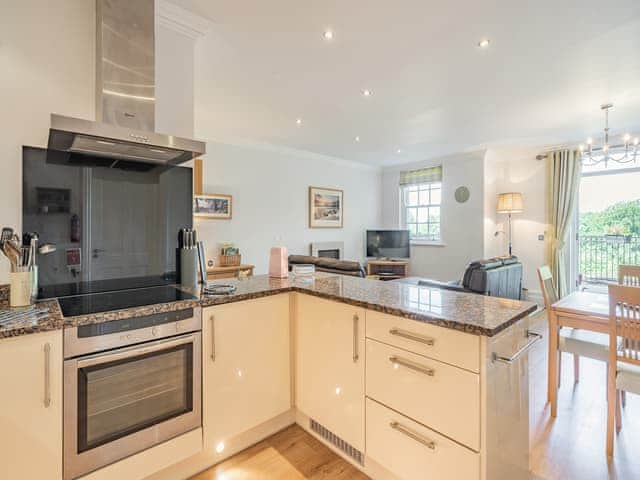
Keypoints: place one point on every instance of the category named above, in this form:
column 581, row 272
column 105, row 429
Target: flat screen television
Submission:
column 388, row 244
column 115, row 225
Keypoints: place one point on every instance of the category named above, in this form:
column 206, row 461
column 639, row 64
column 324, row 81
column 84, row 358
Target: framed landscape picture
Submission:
column 212, row 206
column 326, row 207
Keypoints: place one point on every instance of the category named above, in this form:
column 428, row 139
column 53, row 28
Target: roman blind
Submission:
column 422, row 175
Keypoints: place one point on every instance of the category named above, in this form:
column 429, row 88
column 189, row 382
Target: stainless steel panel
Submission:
column 77, row 464
column 125, row 63
column 124, row 143
column 75, row 346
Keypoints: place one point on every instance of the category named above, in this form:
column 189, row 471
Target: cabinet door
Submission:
column 330, row 366
column 31, row 406
column 246, row 366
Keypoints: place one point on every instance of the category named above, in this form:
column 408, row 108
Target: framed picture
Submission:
column 326, row 207
column 212, row 206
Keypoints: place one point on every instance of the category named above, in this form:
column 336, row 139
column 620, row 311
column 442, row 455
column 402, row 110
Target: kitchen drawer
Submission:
column 438, row 395
column 444, row 344
column 412, row 452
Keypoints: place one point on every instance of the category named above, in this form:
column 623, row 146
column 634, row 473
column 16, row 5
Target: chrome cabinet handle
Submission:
column 412, row 365
column 535, row 337
column 47, row 375
column 356, row 354
column 414, row 435
column 212, row 319
column 412, row 336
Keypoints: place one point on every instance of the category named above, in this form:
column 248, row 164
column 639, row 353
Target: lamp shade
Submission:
column 510, row 202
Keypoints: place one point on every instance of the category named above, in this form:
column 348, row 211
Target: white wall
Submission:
column 174, row 82
column 517, row 170
column 270, row 200
column 462, row 223
column 47, row 65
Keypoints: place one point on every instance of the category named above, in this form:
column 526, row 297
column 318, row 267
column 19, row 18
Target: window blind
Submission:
column 422, row 175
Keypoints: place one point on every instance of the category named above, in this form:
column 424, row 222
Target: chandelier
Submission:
column 625, row 152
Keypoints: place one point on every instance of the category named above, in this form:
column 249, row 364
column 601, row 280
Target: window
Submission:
column 421, row 210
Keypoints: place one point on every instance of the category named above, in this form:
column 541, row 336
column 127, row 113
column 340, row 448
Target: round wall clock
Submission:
column 462, row 194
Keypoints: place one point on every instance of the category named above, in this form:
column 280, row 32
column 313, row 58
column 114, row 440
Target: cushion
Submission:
column 302, row 259
column 628, row 378
column 337, row 264
column 585, row 343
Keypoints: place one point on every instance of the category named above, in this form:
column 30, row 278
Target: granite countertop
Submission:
column 33, row 322
column 467, row 312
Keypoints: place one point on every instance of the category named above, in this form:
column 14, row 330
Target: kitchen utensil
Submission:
column 202, row 260
column 189, row 267
column 218, row 289
column 47, row 248
column 7, row 233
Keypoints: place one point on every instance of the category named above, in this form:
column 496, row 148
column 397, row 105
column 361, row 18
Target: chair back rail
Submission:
column 624, row 322
column 629, row 275
column 549, row 292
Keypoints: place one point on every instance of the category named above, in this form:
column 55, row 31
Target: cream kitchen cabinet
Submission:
column 329, row 345
column 246, row 367
column 31, row 406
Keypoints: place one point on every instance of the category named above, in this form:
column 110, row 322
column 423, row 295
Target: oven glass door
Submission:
column 116, row 399
column 122, row 401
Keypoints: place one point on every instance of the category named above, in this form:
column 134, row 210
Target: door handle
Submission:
column 416, row 337
column 47, row 375
column 412, row 365
column 535, row 337
column 414, row 435
column 212, row 319
column 356, row 354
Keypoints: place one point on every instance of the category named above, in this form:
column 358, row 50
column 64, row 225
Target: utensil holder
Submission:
column 21, row 288
column 189, row 267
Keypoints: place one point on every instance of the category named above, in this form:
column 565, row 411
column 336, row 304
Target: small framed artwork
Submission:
column 215, row 206
column 326, row 208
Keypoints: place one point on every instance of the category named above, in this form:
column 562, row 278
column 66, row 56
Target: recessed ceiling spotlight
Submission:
column 328, row 34
column 357, row 139
column 299, row 121
column 484, row 43
column 366, row 93
column 399, row 151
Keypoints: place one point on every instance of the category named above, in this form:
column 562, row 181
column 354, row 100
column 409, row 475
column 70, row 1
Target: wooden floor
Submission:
column 291, row 454
column 571, row 447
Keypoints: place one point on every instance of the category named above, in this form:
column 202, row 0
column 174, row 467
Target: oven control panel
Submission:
column 99, row 337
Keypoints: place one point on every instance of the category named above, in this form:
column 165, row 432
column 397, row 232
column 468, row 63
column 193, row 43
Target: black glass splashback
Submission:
column 114, row 224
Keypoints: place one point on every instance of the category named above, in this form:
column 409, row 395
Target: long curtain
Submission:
column 563, row 189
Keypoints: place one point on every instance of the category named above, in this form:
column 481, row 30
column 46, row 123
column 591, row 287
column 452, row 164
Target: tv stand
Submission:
column 387, row 269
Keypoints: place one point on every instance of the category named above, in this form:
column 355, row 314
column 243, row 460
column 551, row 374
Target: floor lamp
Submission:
column 510, row 203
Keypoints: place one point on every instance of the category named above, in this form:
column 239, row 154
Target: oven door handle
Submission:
column 135, row 351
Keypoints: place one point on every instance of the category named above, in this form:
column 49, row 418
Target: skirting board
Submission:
column 208, row 458
column 161, row 456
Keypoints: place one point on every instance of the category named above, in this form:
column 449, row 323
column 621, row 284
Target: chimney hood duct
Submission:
column 125, row 94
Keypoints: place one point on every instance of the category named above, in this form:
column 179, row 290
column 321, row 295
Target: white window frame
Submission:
column 421, row 187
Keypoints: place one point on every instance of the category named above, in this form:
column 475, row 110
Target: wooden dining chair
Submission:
column 629, row 275
column 624, row 353
column 580, row 343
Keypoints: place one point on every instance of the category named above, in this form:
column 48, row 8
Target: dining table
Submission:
column 581, row 309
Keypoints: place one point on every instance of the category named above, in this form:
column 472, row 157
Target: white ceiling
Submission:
column 548, row 68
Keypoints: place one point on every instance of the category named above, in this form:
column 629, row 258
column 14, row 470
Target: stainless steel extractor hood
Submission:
column 125, row 94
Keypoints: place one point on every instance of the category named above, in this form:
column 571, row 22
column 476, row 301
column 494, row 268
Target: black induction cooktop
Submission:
column 118, row 300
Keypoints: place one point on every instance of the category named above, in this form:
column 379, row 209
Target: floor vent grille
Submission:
column 337, row 442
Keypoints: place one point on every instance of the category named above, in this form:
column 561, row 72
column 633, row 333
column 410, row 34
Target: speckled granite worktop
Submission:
column 466, row 312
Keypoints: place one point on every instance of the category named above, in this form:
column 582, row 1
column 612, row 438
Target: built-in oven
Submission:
column 128, row 385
